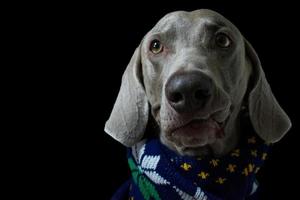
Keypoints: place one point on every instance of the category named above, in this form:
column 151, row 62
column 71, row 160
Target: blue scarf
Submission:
column 161, row 174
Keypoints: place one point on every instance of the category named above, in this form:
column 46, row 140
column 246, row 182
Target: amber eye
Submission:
column 156, row 47
column 222, row 40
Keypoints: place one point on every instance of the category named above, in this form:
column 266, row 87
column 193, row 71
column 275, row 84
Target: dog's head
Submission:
column 194, row 72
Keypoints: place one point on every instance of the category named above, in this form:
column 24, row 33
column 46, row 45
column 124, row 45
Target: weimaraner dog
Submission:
column 193, row 74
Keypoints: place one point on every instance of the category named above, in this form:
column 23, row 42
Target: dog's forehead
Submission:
column 185, row 20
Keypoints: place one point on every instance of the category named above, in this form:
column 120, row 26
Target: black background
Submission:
column 90, row 46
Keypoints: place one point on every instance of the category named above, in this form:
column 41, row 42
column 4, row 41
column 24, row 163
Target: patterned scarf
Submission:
column 159, row 173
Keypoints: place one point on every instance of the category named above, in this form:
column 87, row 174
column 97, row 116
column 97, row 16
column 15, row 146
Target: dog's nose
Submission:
column 187, row 92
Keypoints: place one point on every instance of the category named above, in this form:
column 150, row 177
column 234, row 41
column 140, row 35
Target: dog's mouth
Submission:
column 198, row 133
column 198, row 126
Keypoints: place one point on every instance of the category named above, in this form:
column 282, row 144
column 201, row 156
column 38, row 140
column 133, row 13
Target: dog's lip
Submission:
column 199, row 122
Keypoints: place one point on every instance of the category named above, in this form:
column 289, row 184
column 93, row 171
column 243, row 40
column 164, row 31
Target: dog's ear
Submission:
column 129, row 116
column 269, row 120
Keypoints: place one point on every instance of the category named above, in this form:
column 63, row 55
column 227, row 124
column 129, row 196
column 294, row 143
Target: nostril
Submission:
column 176, row 97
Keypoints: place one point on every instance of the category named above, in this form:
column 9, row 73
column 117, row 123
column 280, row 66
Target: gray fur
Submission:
column 188, row 39
column 129, row 116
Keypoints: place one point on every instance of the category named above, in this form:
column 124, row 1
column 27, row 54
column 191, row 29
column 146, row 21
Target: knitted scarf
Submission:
column 161, row 174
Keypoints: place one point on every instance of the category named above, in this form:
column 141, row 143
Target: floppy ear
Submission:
column 269, row 120
column 129, row 116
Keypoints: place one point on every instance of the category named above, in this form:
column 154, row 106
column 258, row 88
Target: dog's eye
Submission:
column 156, row 47
column 223, row 40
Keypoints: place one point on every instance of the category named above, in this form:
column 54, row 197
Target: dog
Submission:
column 195, row 77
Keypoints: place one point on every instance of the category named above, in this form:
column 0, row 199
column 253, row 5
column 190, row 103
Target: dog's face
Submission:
column 192, row 72
column 195, row 77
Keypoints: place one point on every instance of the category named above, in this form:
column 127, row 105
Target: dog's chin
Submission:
column 195, row 151
column 195, row 138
